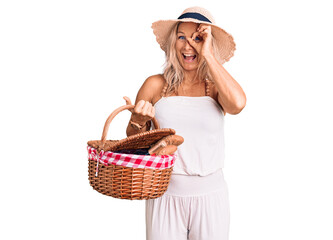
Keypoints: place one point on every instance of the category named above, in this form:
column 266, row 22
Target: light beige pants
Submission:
column 193, row 207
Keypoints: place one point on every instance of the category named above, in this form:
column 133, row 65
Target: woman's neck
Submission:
column 190, row 78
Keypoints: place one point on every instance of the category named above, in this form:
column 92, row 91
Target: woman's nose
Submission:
column 187, row 45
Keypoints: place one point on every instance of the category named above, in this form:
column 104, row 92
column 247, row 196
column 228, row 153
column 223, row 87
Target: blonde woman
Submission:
column 192, row 96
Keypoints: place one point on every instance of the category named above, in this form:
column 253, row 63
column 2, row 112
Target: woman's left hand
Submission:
column 203, row 46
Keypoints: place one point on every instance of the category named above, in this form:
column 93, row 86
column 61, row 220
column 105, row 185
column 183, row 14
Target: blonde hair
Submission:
column 173, row 71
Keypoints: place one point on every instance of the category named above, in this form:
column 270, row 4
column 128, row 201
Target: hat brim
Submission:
column 225, row 41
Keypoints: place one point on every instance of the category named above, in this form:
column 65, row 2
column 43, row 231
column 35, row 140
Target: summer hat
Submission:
column 224, row 40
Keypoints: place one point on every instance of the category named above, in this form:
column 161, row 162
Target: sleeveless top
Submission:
column 200, row 121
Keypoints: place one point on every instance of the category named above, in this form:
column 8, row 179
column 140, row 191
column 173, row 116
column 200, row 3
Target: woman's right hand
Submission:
column 142, row 112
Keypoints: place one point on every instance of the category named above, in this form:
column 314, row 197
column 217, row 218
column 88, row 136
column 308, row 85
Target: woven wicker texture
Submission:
column 140, row 140
column 126, row 182
column 129, row 183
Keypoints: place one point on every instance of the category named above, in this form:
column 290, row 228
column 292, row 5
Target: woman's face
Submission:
column 186, row 54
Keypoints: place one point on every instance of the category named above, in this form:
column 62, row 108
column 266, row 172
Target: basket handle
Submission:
column 114, row 113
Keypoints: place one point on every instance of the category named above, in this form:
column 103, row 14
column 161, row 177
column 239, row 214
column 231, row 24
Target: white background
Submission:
column 65, row 66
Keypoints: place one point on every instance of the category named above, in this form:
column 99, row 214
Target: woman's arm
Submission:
column 230, row 94
column 146, row 93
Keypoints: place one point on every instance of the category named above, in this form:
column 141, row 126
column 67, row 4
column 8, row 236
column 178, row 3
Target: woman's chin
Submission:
column 189, row 66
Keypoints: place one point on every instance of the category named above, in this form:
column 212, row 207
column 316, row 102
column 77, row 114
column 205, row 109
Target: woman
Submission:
column 192, row 96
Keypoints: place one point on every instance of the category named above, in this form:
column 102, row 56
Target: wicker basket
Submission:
column 129, row 182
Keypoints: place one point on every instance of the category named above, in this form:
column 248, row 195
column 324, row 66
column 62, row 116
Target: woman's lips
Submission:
column 189, row 57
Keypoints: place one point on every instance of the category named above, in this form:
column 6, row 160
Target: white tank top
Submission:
column 200, row 121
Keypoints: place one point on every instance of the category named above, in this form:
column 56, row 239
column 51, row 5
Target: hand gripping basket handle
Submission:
column 114, row 113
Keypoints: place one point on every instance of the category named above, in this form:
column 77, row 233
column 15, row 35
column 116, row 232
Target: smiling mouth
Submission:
column 189, row 57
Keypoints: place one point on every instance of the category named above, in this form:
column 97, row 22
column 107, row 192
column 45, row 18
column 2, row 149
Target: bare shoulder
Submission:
column 156, row 81
column 151, row 88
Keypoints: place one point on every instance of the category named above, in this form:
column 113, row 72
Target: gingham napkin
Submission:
column 132, row 160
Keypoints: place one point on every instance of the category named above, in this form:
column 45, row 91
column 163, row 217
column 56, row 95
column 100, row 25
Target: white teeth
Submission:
column 188, row 55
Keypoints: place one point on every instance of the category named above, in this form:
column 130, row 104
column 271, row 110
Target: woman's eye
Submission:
column 181, row 37
column 197, row 38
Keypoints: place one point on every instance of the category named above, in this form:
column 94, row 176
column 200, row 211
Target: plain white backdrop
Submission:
column 65, row 66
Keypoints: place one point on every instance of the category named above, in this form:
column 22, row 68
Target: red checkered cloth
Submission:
column 132, row 160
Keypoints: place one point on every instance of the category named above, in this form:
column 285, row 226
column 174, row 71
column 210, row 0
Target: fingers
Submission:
column 143, row 107
column 139, row 105
column 196, row 40
column 200, row 35
column 204, row 28
column 148, row 109
column 196, row 34
column 143, row 111
column 152, row 112
column 204, row 31
column 192, row 43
